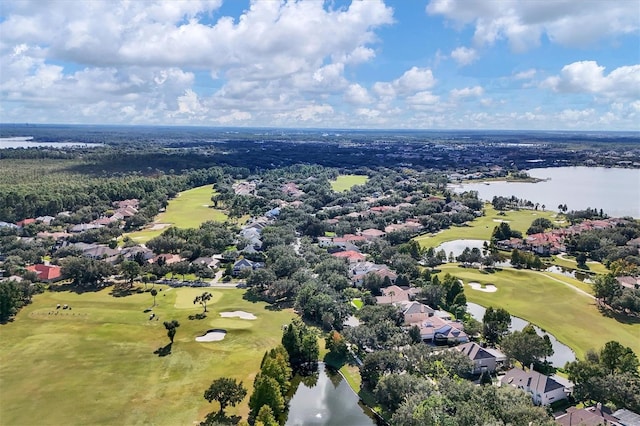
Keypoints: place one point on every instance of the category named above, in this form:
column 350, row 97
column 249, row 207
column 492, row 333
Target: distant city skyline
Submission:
column 438, row 64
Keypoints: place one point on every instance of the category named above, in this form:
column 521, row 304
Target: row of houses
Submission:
column 553, row 242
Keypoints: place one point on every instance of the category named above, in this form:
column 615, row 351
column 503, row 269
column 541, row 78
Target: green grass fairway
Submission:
column 188, row 210
column 482, row 227
column 95, row 364
column 570, row 262
column 346, row 182
column 542, row 300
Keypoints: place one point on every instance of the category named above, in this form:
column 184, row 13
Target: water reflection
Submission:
column 561, row 352
column 457, row 246
column 329, row 401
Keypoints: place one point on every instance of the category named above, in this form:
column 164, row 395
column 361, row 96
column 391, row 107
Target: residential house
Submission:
column 273, row 213
column 629, row 282
column 325, row 242
column 46, row 272
column 483, row 359
column 394, row 294
column 54, row 235
column 435, row 329
column 133, row 202
column 372, row 233
column 543, row 389
column 7, row 225
column 45, row 219
column 82, row 227
column 131, row 253
column 416, row 312
column 351, row 256
column 590, row 416
column 627, row 418
column 126, row 212
column 245, row 264
column 349, row 238
column 100, row 252
column 167, row 258
column 209, row 262
column 25, row 222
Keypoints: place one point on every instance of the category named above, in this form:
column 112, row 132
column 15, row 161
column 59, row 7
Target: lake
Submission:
column 329, row 402
column 561, row 352
column 457, row 246
column 28, row 142
column 615, row 191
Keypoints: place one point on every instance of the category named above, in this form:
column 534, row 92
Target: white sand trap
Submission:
column 501, row 221
column 157, row 226
column 489, row 288
column 212, row 336
column 238, row 314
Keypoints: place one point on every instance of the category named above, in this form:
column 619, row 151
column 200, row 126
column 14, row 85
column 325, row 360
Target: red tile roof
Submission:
column 45, row 272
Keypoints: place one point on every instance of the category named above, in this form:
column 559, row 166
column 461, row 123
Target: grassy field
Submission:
column 346, row 182
column 482, row 227
column 95, row 364
column 541, row 299
column 570, row 262
column 188, row 210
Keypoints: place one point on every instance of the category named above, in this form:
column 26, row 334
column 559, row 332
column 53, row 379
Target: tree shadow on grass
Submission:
column 75, row 288
column 164, row 350
column 618, row 316
column 122, row 292
column 199, row 316
column 220, row 418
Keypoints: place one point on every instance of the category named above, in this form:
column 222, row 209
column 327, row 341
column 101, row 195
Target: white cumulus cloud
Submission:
column 464, row 55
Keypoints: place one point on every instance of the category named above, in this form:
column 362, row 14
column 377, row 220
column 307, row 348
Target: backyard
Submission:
column 95, row 363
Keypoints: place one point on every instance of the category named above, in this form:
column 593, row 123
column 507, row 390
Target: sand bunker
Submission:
column 157, row 226
column 489, row 288
column 501, row 221
column 238, row 314
column 214, row 335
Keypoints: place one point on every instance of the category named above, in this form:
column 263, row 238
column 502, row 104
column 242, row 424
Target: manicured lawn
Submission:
column 95, row 364
column 482, row 227
column 188, row 210
column 346, row 182
column 569, row 315
column 570, row 262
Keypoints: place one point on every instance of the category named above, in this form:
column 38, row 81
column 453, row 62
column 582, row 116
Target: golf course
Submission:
column 97, row 362
column 553, row 302
column 482, row 227
column 344, row 183
column 189, row 209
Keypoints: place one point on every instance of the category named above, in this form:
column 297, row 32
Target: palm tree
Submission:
column 154, row 293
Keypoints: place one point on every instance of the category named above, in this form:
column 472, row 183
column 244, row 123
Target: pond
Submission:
column 28, row 142
column 457, row 246
column 561, row 352
column 616, row 191
column 330, row 401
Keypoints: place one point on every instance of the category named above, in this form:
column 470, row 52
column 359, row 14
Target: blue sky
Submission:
column 405, row 64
